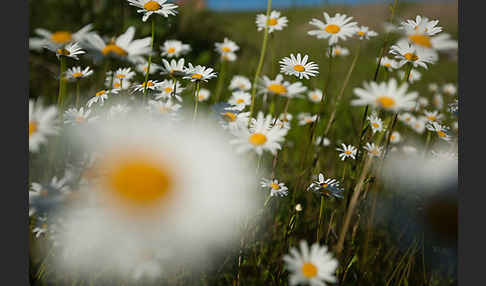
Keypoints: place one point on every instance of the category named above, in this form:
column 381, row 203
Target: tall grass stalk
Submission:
column 62, row 82
column 196, row 100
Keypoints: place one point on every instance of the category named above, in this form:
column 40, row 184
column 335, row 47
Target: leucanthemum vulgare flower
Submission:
column 276, row 188
column 389, row 64
column 438, row 101
column 322, row 141
column 315, row 95
column 347, row 152
column 338, row 51
column 76, row 73
column 433, row 115
column 227, row 46
column 234, row 119
column 101, row 96
column 123, row 46
column 449, row 89
column 166, row 89
column 43, row 197
column 395, row 137
column 144, row 202
column 417, row 56
column 124, row 73
column 76, row 116
column 298, row 66
column 441, row 130
column 230, row 57
column 406, row 117
column 314, row 267
column 373, row 150
column 306, row 118
column 199, row 73
column 276, row 86
column 204, row 94
column 376, row 123
column 422, row 102
column 240, row 98
column 424, row 33
column 58, row 39
column 143, row 67
column 364, row 32
column 71, row 50
column 274, row 22
column 336, row 28
column 385, row 95
column 152, row 85
column 418, row 124
column 328, row 187
column 240, row 82
column 174, row 49
column 414, row 76
column 173, row 68
column 433, row 87
column 164, row 107
column 117, row 83
column 42, row 123
column 260, row 136
column 149, row 7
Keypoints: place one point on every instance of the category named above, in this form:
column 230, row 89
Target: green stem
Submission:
column 219, row 86
column 260, row 62
column 62, row 70
column 321, row 212
column 77, row 93
column 196, row 100
column 408, row 71
column 150, row 58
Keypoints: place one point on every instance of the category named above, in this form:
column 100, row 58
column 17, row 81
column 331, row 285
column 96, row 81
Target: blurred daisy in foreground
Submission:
column 261, row 136
column 230, row 57
column 167, row 91
column 298, row 66
column 117, row 111
column 385, row 95
column 76, row 116
column 315, row 95
column 58, row 38
column 328, row 187
column 338, row 51
column 414, row 76
column 101, row 96
column 149, row 7
column 199, row 73
column 204, row 94
column 347, row 152
column 76, row 73
column 274, row 22
column 336, row 28
column 42, row 123
column 240, row 98
column 389, row 64
column 306, row 118
column 373, row 150
column 375, row 122
column 406, row 53
column 276, row 188
column 314, row 267
column 418, row 124
column 173, row 68
column 240, row 82
column 71, row 50
column 365, row 33
column 441, row 130
column 449, row 89
column 174, row 49
column 424, row 33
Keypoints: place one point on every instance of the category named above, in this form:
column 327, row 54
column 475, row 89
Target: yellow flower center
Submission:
column 376, row 125
column 112, row 48
column 226, row 49
column 32, row 127
column 257, row 139
column 431, row 117
column 299, row 68
column 315, row 97
column 149, row 83
column 145, row 69
column 309, row 270
column 324, row 185
column 361, row 34
column 77, row 74
column 332, row 29
column 441, row 133
column 393, row 137
column 101, row 92
column 275, row 186
column 229, row 116
column 421, row 40
column 411, row 56
column 240, row 100
column 79, row 119
column 63, row 52
column 171, row 50
column 272, row 22
column 347, row 152
column 197, row 76
column 152, row 6
column 168, row 90
column 337, row 51
column 386, row 101
column 116, row 85
column 119, row 75
column 61, row 37
column 277, row 88
column 387, row 65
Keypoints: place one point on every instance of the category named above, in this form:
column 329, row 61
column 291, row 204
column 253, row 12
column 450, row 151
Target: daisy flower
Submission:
column 338, row 51
column 414, row 76
column 365, row 33
column 101, row 96
column 386, row 95
column 298, row 66
column 420, row 31
column 373, row 150
column 443, row 42
column 58, row 38
column 449, row 89
column 42, row 123
column 142, row 67
column 441, row 130
column 123, row 46
column 240, row 98
column 152, row 85
column 240, row 82
column 336, row 28
column 230, row 57
column 274, row 22
column 406, row 117
column 295, row 89
column 204, row 94
column 408, row 53
column 314, row 267
column 276, row 188
column 117, row 83
column 199, row 73
column 166, row 88
column 276, row 86
column 261, row 136
column 328, row 187
column 347, row 151
column 173, row 68
column 395, row 137
column 174, row 49
column 418, row 124
column 315, row 95
column 422, row 102
column 76, row 116
column 306, row 118
column 438, row 101
column 389, row 64
column 433, row 87
column 433, row 115
column 234, row 120
column 149, row 7
column 227, row 46
column 124, row 73
column 76, row 73
column 71, row 50
column 375, row 122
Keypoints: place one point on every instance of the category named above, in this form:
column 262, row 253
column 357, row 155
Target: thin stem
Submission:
column 319, row 222
column 196, row 100
column 150, row 58
column 77, row 93
column 260, row 62
column 219, row 86
column 62, row 70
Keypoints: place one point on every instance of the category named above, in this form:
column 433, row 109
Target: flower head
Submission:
column 274, row 22
column 199, row 73
column 76, row 73
column 240, row 83
column 276, row 188
column 328, row 187
column 347, row 152
column 42, row 123
column 298, row 66
column 174, row 49
column 335, row 28
column 417, row 56
column 149, row 7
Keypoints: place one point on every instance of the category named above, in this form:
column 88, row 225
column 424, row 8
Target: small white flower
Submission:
column 234, row 120
column 298, row 66
column 395, row 137
column 336, row 28
column 204, row 94
column 324, row 141
column 167, row 90
column 276, row 188
column 347, row 151
column 449, row 89
column 373, row 150
column 71, row 50
column 415, row 55
column 338, row 51
column 123, row 73
column 375, row 122
column 240, row 82
column 306, row 118
column 101, row 96
column 389, row 64
column 42, row 123
column 229, row 57
column 414, row 76
column 240, row 98
column 149, row 7
column 163, row 108
column 441, row 130
column 174, row 68
column 76, row 73
column 75, row 116
column 226, row 47
column 274, row 22
column 174, row 49
column 418, row 124
column 315, row 95
column 438, row 101
column 199, row 73
column 365, row 33
column 143, row 67
column 406, row 118
column 433, row 115
column 433, row 87
column 152, row 85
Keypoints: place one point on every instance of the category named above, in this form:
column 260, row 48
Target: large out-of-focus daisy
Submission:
column 42, row 123
column 240, row 82
column 199, row 73
column 298, row 66
column 335, row 28
column 364, row 32
column 274, row 22
column 174, row 49
column 76, row 73
column 76, row 116
column 408, row 53
column 348, row 151
column 385, row 95
column 59, row 38
column 276, row 188
column 149, row 7
column 123, row 46
column 260, row 136
column 168, row 89
column 314, row 267
column 101, row 96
